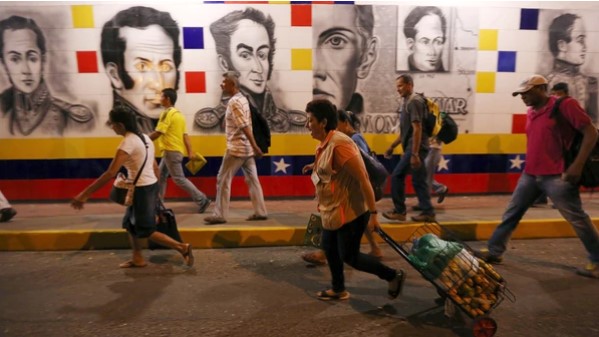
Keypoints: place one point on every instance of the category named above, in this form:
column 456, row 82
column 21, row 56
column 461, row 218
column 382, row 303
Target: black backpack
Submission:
column 590, row 172
column 260, row 129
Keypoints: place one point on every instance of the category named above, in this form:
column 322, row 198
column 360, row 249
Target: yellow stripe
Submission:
column 215, row 145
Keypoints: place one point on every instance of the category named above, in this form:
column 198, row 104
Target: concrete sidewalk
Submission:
column 56, row 226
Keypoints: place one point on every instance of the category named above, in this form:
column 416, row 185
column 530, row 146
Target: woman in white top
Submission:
column 140, row 217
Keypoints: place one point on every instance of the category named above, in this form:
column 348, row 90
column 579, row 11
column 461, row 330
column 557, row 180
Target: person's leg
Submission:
column 174, row 160
column 566, row 198
column 255, row 189
column 349, row 238
column 527, row 190
column 184, row 249
column 162, row 180
column 398, row 177
column 4, row 202
column 422, row 188
column 329, row 245
column 228, row 168
column 137, row 258
column 431, row 162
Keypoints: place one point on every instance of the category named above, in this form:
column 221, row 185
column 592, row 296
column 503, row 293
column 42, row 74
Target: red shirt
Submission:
column 547, row 137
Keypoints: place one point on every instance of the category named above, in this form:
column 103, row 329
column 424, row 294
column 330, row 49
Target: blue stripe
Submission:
column 93, row 168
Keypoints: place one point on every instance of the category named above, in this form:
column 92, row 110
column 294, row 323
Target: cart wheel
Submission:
column 484, row 327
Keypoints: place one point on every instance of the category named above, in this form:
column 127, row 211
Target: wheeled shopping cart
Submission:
column 463, row 280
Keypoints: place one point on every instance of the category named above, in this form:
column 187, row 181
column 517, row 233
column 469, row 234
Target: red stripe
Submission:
column 273, row 186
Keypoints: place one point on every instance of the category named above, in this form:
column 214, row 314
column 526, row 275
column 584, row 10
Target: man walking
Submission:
column 173, row 141
column 241, row 149
column 415, row 146
column 546, row 170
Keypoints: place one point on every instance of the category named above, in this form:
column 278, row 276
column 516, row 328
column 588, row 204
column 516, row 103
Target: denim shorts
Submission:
column 140, row 218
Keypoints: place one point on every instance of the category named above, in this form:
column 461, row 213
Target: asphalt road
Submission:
column 270, row 292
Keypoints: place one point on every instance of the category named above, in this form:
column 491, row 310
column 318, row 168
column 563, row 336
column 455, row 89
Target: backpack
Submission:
column 437, row 123
column 590, row 172
column 260, row 129
column 377, row 173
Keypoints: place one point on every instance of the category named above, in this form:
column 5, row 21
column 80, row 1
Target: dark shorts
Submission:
column 140, row 218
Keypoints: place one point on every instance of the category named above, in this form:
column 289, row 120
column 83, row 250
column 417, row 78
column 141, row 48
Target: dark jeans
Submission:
column 398, row 184
column 343, row 245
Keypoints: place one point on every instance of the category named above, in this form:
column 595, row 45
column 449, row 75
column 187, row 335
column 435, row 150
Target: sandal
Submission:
column 396, row 285
column 316, row 258
column 329, row 294
column 188, row 256
column 131, row 264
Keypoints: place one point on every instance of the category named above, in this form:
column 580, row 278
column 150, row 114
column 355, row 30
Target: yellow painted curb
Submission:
column 51, row 240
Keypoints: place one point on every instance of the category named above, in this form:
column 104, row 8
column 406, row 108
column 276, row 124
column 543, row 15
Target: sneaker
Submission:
column 316, row 258
column 327, row 295
column 441, row 196
column 393, row 215
column 214, row 220
column 590, row 270
column 6, row 214
column 204, row 205
column 422, row 217
column 484, row 255
column 396, row 285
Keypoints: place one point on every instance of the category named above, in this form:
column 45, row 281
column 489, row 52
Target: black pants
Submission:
column 343, row 245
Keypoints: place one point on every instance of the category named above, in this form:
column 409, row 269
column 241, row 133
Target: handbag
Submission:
column 166, row 223
column 123, row 190
column 377, row 173
column 313, row 236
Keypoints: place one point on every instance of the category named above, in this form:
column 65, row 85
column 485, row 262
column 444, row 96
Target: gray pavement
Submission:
column 269, row 291
column 56, row 226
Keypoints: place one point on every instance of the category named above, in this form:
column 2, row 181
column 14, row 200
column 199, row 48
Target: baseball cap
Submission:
column 529, row 83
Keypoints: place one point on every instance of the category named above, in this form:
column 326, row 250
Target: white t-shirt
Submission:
column 136, row 149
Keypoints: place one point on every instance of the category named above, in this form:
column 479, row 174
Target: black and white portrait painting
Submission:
column 31, row 102
column 567, row 40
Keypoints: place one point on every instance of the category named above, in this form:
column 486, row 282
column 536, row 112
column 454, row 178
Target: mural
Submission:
column 245, row 42
column 28, row 105
column 568, row 41
column 65, row 65
column 141, row 56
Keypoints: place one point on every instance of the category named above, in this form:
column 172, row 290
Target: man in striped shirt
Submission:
column 241, row 149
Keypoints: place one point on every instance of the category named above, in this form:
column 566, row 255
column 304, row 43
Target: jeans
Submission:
column 343, row 245
column 171, row 163
column 431, row 162
column 398, row 184
column 228, row 168
column 565, row 197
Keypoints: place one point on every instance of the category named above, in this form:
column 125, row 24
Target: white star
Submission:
column 281, row 166
column 443, row 164
column 517, row 163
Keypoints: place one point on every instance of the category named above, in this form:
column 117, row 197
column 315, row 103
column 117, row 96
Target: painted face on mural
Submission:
column 427, row 45
column 23, row 59
column 337, row 53
column 148, row 59
column 249, row 50
column 574, row 52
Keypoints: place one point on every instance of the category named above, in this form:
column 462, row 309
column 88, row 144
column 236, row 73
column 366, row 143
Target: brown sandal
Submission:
column 188, row 256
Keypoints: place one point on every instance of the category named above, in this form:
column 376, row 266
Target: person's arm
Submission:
column 257, row 152
column 187, row 143
column 113, row 169
column 156, row 169
column 574, row 171
column 392, row 147
column 356, row 169
column 416, row 138
column 154, row 135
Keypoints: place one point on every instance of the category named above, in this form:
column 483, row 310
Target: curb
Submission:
column 208, row 238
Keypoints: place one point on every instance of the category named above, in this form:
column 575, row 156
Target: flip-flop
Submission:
column 131, row 264
column 256, row 217
column 188, row 256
